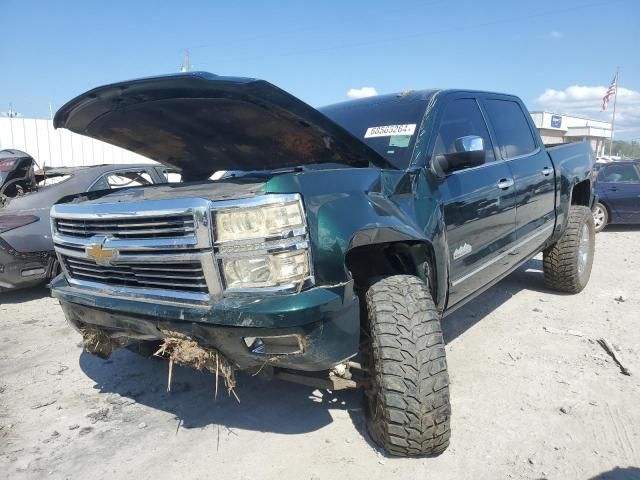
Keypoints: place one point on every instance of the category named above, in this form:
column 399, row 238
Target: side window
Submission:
column 461, row 118
column 619, row 173
column 101, row 184
column 123, row 179
column 172, row 176
column 513, row 134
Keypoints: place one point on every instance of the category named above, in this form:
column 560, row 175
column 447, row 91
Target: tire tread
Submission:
column 560, row 259
column 410, row 371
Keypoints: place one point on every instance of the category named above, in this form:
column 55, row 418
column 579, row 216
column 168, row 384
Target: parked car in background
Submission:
column 618, row 189
column 26, row 249
column 16, row 173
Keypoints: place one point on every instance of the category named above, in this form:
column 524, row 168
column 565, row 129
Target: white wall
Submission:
column 58, row 148
column 543, row 120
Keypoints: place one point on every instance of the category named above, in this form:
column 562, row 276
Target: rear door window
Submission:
column 619, row 173
column 511, row 128
column 123, row 179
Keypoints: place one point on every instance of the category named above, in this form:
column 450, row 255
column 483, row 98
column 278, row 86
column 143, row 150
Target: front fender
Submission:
column 351, row 208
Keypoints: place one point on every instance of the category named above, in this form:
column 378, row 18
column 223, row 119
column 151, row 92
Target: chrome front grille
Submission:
column 188, row 277
column 128, row 228
column 164, row 250
column 151, row 250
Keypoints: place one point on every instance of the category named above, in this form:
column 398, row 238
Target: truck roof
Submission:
column 407, row 96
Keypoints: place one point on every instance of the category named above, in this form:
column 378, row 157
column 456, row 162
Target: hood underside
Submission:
column 201, row 123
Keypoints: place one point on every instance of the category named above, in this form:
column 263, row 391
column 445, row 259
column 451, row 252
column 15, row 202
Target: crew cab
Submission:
column 333, row 251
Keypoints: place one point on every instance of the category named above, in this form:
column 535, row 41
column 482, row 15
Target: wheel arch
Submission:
column 605, row 204
column 581, row 193
column 572, row 191
column 396, row 253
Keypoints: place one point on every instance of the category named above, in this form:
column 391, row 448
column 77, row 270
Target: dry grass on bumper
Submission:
column 186, row 351
column 98, row 342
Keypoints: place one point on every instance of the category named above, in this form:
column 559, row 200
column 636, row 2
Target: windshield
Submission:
column 388, row 126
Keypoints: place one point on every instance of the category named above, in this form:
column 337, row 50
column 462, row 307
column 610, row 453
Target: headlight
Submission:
column 271, row 270
column 256, row 222
column 278, row 258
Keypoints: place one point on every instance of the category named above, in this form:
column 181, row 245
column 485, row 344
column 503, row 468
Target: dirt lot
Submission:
column 534, row 396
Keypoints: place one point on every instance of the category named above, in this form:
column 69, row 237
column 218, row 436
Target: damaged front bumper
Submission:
column 20, row 270
column 313, row 330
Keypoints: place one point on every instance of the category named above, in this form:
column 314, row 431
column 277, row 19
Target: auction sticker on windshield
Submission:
column 390, row 130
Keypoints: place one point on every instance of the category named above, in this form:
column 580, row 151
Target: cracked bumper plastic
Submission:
column 326, row 319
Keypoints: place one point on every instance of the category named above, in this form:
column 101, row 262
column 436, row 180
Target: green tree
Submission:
column 625, row 149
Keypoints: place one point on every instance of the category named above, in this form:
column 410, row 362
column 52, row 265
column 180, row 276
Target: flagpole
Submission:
column 613, row 119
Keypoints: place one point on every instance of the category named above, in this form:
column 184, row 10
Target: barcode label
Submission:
column 390, row 130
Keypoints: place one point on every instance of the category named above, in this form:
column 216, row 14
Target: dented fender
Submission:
column 352, row 208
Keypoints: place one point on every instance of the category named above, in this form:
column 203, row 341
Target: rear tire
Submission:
column 600, row 217
column 408, row 395
column 568, row 262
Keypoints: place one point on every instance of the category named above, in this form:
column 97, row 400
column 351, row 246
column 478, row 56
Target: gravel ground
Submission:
column 534, row 396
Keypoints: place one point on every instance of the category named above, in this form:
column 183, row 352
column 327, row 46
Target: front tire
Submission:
column 568, row 262
column 408, row 395
column 600, row 217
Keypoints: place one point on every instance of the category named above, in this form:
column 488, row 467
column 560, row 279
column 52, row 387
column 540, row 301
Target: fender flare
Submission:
column 423, row 251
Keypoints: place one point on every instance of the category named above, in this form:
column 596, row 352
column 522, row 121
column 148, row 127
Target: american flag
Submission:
column 611, row 91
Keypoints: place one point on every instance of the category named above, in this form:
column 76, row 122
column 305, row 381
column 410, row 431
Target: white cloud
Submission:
column 556, row 35
column 587, row 101
column 362, row 92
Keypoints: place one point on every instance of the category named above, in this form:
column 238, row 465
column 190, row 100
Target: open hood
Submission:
column 200, row 123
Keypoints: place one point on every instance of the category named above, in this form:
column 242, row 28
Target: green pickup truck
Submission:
column 334, row 244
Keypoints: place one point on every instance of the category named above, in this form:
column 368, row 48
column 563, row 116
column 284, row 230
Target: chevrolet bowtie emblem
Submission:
column 101, row 255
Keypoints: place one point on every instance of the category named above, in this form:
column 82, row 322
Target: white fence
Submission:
column 60, row 148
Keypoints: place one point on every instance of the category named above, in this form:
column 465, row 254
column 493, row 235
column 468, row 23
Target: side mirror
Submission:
column 467, row 152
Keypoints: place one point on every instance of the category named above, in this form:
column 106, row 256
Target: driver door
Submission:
column 479, row 204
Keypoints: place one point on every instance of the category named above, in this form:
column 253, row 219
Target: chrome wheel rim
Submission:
column 598, row 217
column 583, row 250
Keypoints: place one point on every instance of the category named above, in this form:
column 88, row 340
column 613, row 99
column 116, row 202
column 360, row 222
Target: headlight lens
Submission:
column 270, row 270
column 257, row 222
column 263, row 244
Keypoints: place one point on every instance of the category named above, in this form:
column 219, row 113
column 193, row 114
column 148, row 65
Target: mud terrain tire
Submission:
column 567, row 263
column 408, row 395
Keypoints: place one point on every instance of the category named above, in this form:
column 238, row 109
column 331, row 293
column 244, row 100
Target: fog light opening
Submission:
column 32, row 271
column 276, row 345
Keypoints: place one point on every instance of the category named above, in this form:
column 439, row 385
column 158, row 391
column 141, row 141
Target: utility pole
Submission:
column 613, row 119
column 186, row 62
column 11, row 113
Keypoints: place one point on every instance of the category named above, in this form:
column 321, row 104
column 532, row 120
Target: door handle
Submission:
column 546, row 171
column 505, row 183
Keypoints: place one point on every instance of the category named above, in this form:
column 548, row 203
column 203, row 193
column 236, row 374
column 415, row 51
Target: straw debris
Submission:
column 185, row 351
column 98, row 342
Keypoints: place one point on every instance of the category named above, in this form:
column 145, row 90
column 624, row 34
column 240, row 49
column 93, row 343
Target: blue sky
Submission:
column 318, row 51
